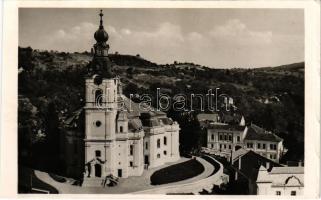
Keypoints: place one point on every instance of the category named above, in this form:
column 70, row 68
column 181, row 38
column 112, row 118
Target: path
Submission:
column 129, row 185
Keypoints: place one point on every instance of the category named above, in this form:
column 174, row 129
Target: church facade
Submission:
column 120, row 139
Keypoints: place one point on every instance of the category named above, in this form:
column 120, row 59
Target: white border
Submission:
column 8, row 140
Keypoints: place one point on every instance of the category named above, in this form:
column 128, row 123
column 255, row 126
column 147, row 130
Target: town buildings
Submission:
column 225, row 139
column 281, row 181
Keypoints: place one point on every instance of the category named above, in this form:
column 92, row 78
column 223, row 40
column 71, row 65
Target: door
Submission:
column 146, row 161
column 97, row 170
column 120, row 172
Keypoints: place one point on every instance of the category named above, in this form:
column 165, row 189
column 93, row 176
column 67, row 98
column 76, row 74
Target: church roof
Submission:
column 135, row 124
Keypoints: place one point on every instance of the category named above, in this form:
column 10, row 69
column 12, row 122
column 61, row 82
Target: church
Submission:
column 119, row 139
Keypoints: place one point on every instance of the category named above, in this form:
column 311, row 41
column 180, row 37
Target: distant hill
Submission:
column 271, row 97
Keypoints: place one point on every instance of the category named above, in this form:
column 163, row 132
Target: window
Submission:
column 273, row 146
column 221, row 137
column 220, row 146
column 98, row 123
column 238, row 138
column 278, row 192
column 225, row 137
column 165, row 140
column 212, row 145
column 158, row 143
column 98, row 153
column 259, row 145
column 293, row 193
column 230, row 137
column 131, row 163
column 212, row 136
column 121, row 129
column 165, row 152
column 229, row 146
column 224, row 146
column 249, row 145
column 146, row 145
column 98, row 97
column 158, row 155
column 131, row 150
column 263, row 146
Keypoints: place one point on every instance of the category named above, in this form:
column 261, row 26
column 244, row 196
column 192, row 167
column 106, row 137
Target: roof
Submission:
column 229, row 118
column 208, row 117
column 150, row 122
column 287, row 170
column 257, row 133
column 282, row 176
column 166, row 120
column 135, row 124
column 238, row 153
column 227, row 127
column 131, row 107
column 251, row 163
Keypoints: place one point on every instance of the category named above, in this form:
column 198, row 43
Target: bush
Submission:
column 177, row 172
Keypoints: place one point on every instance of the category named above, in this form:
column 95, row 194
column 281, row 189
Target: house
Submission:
column 204, row 119
column 285, row 181
column 246, row 165
column 226, row 139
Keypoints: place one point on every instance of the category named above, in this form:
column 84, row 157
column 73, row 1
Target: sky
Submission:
column 214, row 37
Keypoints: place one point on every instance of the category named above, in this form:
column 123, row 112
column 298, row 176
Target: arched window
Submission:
column 165, row 140
column 158, row 155
column 99, row 97
column 158, row 143
column 121, row 129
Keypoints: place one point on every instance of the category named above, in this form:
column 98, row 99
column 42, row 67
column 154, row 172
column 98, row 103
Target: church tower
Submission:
column 100, row 112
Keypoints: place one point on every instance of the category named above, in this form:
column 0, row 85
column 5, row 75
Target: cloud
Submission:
column 237, row 32
column 231, row 44
column 75, row 38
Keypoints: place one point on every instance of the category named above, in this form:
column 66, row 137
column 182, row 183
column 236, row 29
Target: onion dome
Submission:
column 101, row 35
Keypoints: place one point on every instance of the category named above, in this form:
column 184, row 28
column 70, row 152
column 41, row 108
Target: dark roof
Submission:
column 227, row 127
column 251, row 163
column 150, row 122
column 257, row 133
column 229, row 118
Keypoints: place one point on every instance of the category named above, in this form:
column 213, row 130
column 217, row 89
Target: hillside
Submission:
column 271, row 97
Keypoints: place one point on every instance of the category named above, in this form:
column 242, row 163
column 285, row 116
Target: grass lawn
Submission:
column 177, row 172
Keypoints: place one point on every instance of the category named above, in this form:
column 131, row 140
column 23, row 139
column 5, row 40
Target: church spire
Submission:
column 101, row 19
column 101, row 63
column 101, row 36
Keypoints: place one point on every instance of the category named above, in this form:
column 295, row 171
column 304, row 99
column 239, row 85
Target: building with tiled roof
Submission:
column 281, row 181
column 226, row 139
column 246, row 165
